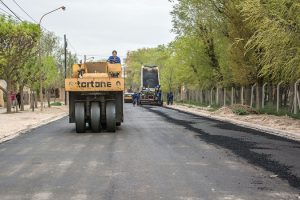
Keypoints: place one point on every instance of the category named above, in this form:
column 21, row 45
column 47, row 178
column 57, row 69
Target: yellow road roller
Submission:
column 95, row 93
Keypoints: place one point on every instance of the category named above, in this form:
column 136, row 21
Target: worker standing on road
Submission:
column 159, row 95
column 18, row 96
column 171, row 97
column 138, row 98
column 114, row 58
column 134, row 99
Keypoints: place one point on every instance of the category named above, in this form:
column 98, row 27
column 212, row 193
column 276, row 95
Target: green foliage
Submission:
column 56, row 104
column 148, row 56
column 17, row 42
column 51, row 77
column 21, row 46
column 276, row 38
column 226, row 43
column 240, row 111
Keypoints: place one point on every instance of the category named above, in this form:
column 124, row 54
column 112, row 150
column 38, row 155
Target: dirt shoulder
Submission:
column 277, row 125
column 15, row 124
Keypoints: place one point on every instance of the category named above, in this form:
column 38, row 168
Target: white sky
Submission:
column 96, row 27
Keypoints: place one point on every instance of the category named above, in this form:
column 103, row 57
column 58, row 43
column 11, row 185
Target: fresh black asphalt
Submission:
column 158, row 153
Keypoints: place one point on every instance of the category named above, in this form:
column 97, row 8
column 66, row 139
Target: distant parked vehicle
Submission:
column 128, row 97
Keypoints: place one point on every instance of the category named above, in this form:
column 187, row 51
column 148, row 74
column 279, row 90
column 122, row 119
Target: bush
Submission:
column 56, row 104
column 240, row 111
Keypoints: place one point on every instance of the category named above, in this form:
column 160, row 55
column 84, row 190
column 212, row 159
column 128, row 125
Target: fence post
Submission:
column 242, row 95
column 251, row 99
column 295, row 96
column 232, row 94
column 278, row 95
column 263, row 95
column 224, row 97
column 211, row 96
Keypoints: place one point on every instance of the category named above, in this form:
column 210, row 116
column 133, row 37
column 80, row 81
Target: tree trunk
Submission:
column 274, row 99
column 48, row 98
column 35, row 100
column 55, row 97
column 258, row 95
column 32, row 100
column 21, row 90
column 247, row 93
column 291, row 97
column 286, row 96
column 8, row 101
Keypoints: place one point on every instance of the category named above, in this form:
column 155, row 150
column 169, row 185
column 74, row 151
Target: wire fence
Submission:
column 272, row 98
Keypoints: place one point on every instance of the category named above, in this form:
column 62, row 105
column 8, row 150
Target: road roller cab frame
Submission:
column 95, row 96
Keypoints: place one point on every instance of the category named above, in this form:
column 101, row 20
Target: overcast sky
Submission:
column 96, row 27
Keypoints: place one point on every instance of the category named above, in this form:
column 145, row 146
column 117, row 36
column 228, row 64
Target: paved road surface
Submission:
column 157, row 153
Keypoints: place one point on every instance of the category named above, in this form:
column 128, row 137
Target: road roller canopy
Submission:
column 96, row 69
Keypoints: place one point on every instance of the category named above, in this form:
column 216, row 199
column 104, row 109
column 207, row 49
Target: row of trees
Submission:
column 225, row 43
column 21, row 43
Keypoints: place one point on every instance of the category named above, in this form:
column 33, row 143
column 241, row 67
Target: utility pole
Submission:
column 40, row 51
column 65, row 48
column 41, row 75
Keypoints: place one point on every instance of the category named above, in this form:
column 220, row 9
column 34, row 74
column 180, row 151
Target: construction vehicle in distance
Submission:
column 95, row 96
column 150, row 86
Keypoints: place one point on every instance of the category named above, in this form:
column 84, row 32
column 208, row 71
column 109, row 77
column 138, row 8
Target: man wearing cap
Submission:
column 114, row 58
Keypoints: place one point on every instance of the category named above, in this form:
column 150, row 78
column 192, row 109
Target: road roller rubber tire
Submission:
column 95, row 117
column 111, row 116
column 80, row 117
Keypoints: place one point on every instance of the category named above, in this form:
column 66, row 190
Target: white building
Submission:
column 3, row 84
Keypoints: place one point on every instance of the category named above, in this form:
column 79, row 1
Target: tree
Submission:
column 147, row 56
column 276, row 39
column 27, row 75
column 51, row 78
column 197, row 20
column 17, row 41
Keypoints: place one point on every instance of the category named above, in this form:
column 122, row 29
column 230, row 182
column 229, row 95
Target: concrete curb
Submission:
column 272, row 131
column 31, row 127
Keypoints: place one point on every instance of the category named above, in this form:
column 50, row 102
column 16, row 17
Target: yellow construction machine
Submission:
column 96, row 96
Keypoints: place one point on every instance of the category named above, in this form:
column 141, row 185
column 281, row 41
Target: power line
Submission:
column 4, row 11
column 24, row 11
column 29, row 15
column 11, row 11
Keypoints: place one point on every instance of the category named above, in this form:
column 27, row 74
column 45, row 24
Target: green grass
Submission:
column 56, row 104
column 271, row 110
column 240, row 111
